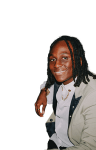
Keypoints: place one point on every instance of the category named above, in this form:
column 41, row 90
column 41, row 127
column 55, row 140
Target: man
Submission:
column 73, row 123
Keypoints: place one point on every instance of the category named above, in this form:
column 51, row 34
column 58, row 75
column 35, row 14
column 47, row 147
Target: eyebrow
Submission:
column 60, row 54
column 64, row 53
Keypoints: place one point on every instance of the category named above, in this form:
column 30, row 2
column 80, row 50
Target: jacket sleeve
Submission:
column 88, row 136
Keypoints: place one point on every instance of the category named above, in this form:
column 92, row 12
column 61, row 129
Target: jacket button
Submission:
column 51, row 119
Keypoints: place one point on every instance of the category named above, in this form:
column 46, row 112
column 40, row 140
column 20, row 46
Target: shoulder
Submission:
column 92, row 83
column 91, row 86
column 86, row 89
column 89, row 93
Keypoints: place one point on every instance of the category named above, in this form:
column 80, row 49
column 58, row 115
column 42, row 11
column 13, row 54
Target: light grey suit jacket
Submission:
column 82, row 129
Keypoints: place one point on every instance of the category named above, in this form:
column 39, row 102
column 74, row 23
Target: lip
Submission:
column 59, row 72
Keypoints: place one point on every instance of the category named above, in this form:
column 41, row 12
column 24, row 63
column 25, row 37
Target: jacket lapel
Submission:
column 79, row 96
column 76, row 100
column 56, row 87
column 73, row 105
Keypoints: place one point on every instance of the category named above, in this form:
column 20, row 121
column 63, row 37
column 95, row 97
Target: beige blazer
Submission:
column 82, row 129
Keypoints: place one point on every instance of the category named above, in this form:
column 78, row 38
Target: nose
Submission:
column 57, row 64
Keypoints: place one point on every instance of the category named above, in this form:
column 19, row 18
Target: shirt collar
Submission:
column 69, row 86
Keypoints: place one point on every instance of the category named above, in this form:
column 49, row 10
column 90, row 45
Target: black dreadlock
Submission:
column 81, row 71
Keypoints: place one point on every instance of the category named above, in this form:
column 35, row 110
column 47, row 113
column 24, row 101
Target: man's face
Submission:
column 60, row 62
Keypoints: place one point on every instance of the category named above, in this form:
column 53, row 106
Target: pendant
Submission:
column 66, row 96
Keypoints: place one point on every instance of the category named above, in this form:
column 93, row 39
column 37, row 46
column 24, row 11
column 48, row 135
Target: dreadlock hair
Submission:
column 80, row 70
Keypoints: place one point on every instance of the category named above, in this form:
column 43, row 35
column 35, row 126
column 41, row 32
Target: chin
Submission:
column 64, row 80
column 60, row 80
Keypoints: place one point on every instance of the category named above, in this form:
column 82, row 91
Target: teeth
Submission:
column 60, row 71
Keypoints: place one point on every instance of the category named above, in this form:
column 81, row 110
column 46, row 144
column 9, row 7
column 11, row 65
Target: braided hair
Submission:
column 80, row 70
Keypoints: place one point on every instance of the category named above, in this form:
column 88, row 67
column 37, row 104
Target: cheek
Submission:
column 51, row 67
column 69, row 68
column 67, row 65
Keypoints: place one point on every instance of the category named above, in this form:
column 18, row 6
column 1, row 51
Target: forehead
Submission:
column 61, row 47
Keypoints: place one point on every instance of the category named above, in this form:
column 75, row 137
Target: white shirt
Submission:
column 62, row 112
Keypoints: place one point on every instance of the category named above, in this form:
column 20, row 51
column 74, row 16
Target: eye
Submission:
column 65, row 58
column 52, row 59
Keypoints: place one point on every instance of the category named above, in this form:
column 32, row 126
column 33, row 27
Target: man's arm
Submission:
column 41, row 100
column 45, row 96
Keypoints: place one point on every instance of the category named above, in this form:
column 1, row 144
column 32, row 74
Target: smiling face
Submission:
column 60, row 62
